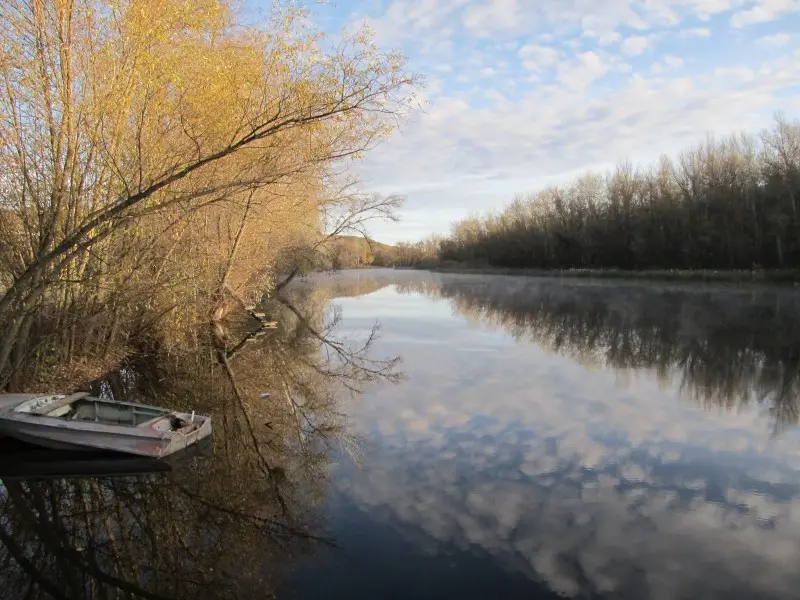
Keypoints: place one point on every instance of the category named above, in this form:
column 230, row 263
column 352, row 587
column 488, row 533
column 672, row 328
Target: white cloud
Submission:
column 696, row 32
column 776, row 40
column 592, row 19
column 635, row 45
column 537, row 58
column 668, row 63
column 736, row 74
column 699, row 32
column 608, row 38
column 664, row 15
column 493, row 15
column 593, row 63
column 600, row 20
column 494, row 95
column 408, row 18
column 705, row 9
column 764, row 11
column 604, row 38
column 673, row 62
column 607, row 18
column 488, row 71
column 580, row 73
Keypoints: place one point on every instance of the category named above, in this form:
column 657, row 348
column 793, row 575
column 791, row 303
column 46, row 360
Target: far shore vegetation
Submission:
column 773, row 276
column 727, row 209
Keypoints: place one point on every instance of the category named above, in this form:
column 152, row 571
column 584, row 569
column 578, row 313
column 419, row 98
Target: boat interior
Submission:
column 114, row 414
column 79, row 407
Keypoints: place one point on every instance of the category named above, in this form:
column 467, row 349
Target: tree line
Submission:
column 731, row 203
column 163, row 161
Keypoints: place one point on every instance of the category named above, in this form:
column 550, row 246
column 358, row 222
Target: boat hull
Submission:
column 181, row 441
column 62, row 438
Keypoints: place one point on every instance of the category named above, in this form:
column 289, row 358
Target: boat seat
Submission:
column 84, row 412
column 54, row 409
column 60, row 411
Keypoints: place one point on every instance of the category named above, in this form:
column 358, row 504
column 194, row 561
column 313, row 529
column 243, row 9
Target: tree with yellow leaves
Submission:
column 149, row 141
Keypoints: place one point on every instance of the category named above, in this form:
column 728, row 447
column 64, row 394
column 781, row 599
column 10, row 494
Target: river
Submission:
column 467, row 436
column 569, row 437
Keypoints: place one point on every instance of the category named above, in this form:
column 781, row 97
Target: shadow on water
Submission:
column 216, row 526
column 19, row 460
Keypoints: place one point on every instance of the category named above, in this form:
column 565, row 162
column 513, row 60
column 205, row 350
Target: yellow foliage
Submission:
column 165, row 152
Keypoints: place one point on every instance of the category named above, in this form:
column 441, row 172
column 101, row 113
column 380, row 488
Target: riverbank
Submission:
column 776, row 276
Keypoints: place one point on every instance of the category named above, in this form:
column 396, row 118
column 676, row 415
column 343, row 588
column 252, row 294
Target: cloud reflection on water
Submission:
column 592, row 470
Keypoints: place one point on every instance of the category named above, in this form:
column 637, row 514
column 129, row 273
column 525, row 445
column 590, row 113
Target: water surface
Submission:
column 540, row 438
column 564, row 437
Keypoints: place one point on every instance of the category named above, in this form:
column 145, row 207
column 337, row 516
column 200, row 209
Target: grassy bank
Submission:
column 774, row 276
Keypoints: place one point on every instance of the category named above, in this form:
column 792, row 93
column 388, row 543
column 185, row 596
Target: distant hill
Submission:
column 350, row 251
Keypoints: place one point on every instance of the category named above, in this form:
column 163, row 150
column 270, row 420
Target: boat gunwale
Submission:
column 24, row 397
column 10, row 409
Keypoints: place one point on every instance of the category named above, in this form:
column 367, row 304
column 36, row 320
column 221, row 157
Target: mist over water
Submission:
column 567, row 437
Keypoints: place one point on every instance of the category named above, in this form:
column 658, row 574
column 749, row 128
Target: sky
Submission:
column 524, row 93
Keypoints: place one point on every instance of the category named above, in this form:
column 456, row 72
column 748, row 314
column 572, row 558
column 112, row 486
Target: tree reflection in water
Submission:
column 728, row 346
column 222, row 527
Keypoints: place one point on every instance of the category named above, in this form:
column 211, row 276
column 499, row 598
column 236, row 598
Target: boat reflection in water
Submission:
column 19, row 460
